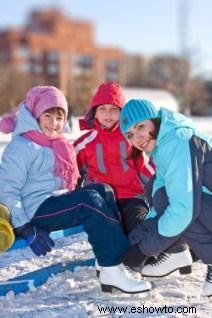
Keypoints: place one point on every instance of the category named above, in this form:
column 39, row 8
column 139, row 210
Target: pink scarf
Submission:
column 65, row 157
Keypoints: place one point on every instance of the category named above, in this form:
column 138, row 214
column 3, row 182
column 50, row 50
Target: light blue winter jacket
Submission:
column 26, row 172
column 172, row 158
column 183, row 159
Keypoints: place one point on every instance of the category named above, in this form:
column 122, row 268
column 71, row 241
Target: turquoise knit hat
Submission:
column 136, row 110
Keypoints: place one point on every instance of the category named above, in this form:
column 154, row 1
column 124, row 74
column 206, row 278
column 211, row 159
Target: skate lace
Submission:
column 209, row 274
column 128, row 272
column 161, row 259
column 133, row 273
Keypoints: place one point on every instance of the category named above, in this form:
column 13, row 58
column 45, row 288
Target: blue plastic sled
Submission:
column 21, row 284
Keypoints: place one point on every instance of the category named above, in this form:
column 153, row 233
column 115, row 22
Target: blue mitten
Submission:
column 37, row 238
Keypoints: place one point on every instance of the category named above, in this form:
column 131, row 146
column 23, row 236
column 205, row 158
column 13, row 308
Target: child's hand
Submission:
column 37, row 238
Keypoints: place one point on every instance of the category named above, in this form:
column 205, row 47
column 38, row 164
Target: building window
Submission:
column 23, row 67
column 53, row 69
column 37, row 68
column 22, row 51
column 112, row 76
column 52, row 56
column 37, row 56
column 82, row 64
column 112, row 70
column 112, row 65
column 5, row 55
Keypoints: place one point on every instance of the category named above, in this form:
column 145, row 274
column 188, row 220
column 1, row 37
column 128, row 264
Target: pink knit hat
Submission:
column 38, row 100
column 41, row 98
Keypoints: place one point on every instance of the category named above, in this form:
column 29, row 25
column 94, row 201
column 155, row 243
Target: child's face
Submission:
column 107, row 115
column 140, row 137
column 52, row 123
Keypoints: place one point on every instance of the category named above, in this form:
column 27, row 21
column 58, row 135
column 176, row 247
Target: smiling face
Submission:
column 107, row 115
column 140, row 136
column 52, row 122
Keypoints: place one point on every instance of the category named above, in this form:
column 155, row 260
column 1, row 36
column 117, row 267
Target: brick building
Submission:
column 60, row 50
column 54, row 49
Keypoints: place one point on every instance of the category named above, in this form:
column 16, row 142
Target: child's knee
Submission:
column 105, row 190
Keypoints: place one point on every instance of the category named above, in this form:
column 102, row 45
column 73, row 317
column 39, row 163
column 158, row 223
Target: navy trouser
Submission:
column 93, row 207
column 198, row 235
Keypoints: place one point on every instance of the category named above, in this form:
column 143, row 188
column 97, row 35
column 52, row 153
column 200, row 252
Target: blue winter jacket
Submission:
column 26, row 172
column 183, row 159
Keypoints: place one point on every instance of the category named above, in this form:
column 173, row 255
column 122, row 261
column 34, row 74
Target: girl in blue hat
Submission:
column 182, row 189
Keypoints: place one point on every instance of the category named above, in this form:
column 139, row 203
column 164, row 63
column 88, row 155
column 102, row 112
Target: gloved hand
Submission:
column 7, row 236
column 37, row 238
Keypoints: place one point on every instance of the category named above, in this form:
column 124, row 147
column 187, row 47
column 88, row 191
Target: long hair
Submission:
column 136, row 153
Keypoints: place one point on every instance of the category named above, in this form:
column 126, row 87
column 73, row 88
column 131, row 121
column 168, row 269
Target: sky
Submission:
column 137, row 26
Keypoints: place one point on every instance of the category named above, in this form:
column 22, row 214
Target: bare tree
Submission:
column 13, row 86
column 171, row 73
column 198, row 96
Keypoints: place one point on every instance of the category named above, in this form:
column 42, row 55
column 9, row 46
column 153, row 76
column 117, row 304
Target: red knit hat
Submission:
column 107, row 93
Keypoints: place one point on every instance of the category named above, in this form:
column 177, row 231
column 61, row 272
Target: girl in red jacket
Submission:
column 102, row 155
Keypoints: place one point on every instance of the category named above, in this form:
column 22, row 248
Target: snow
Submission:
column 78, row 294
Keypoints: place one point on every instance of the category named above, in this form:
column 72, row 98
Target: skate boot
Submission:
column 98, row 268
column 168, row 263
column 119, row 278
column 207, row 287
column 135, row 273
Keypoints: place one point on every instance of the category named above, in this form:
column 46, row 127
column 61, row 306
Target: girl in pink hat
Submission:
column 38, row 177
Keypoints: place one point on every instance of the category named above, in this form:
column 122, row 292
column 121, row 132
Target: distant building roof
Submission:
column 159, row 97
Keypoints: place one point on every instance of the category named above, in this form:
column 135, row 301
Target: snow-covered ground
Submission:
column 78, row 294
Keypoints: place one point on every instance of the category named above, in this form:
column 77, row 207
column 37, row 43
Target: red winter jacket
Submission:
column 101, row 155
